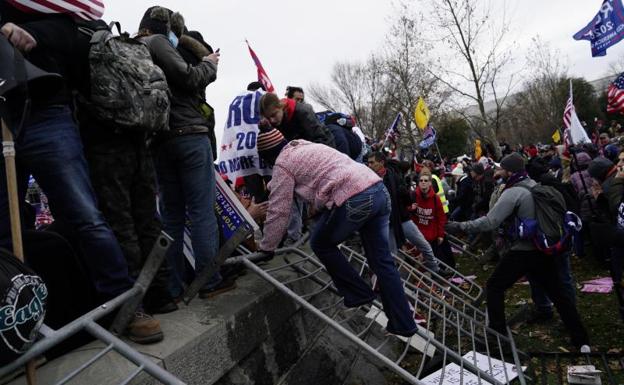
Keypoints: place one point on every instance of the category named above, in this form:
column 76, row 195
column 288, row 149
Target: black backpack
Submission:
column 22, row 307
column 126, row 87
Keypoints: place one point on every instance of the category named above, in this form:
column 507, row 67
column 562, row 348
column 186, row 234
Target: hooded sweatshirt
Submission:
column 428, row 214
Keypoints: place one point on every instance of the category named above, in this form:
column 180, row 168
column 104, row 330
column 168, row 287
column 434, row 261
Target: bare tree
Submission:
column 360, row 90
column 406, row 69
column 473, row 33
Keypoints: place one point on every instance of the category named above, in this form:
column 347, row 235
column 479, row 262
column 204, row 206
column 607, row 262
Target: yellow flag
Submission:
column 478, row 151
column 421, row 114
column 556, row 137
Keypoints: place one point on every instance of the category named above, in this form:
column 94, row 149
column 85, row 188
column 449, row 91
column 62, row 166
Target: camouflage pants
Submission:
column 123, row 177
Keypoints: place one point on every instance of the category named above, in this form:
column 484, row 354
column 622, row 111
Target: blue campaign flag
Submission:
column 606, row 29
column 429, row 137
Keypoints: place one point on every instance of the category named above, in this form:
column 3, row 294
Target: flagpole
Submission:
column 383, row 145
column 575, row 159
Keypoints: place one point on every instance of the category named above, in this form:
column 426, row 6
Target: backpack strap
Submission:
column 101, row 35
column 114, row 24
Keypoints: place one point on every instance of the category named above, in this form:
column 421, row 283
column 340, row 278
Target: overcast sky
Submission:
column 299, row 41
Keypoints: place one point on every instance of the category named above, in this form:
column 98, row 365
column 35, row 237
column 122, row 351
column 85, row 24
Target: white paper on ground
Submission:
column 453, row 374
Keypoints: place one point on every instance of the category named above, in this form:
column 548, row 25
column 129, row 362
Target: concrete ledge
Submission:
column 253, row 335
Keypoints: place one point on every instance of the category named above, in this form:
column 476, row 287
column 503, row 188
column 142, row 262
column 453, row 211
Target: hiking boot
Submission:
column 225, row 285
column 144, row 329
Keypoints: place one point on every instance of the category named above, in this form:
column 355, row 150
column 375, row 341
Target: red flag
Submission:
column 84, row 9
column 262, row 75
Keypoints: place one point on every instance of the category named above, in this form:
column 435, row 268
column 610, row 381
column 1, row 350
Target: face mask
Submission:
column 173, row 39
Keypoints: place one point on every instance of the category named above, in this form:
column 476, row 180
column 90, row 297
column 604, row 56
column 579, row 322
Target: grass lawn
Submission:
column 598, row 311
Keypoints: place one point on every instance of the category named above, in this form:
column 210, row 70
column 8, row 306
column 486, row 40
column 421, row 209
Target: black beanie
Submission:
column 513, row 163
column 599, row 168
column 157, row 20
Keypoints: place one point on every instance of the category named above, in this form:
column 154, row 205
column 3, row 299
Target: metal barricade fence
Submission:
column 453, row 336
column 126, row 303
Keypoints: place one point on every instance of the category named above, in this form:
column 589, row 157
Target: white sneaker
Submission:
column 585, row 349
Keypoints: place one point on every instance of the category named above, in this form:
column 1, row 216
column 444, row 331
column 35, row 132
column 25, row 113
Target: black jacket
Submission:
column 191, row 49
column 399, row 199
column 56, row 37
column 185, row 81
column 465, row 193
column 305, row 125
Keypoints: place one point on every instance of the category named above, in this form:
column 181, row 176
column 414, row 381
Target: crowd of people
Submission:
column 102, row 179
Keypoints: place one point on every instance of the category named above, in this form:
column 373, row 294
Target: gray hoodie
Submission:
column 516, row 200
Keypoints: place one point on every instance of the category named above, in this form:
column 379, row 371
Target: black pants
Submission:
column 516, row 264
column 617, row 267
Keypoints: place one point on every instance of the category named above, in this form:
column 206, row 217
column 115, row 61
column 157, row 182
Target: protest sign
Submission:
column 230, row 216
column 238, row 155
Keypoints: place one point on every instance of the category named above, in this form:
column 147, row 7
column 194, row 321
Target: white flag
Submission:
column 577, row 132
column 574, row 131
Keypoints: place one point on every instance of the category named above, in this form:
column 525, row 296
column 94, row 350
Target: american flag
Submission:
column 393, row 131
column 84, row 9
column 573, row 132
column 567, row 113
column 567, row 120
column 262, row 75
column 615, row 96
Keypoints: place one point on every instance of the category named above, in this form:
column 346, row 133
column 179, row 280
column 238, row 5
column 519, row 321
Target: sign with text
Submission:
column 453, row 373
column 230, row 216
column 238, row 155
column 606, row 28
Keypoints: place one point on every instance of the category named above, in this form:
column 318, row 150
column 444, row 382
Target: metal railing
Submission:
column 452, row 335
column 127, row 303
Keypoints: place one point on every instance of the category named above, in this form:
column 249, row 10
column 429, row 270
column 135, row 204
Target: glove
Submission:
column 453, row 227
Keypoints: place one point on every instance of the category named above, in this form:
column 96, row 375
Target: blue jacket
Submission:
column 347, row 142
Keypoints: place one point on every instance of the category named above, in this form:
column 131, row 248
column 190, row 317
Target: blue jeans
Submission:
column 295, row 224
column 186, row 181
column 541, row 301
column 416, row 238
column 368, row 213
column 50, row 149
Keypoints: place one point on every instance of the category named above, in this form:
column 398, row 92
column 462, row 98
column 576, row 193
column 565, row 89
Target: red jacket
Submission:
column 428, row 214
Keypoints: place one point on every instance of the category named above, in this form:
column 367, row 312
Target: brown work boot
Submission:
column 144, row 329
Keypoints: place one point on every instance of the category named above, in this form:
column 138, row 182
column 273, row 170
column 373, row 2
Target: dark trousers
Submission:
column 543, row 269
column 617, row 264
column 124, row 180
column 49, row 148
column 443, row 252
